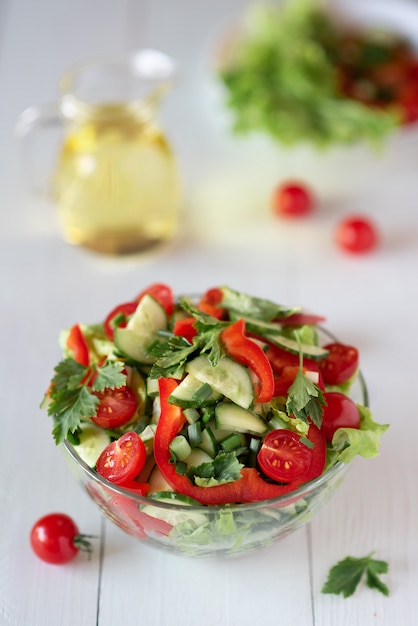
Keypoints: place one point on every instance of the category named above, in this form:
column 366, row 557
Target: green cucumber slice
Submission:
column 229, row 378
column 141, row 330
column 310, row 351
column 192, row 393
column 197, row 457
column 93, row 440
column 229, row 416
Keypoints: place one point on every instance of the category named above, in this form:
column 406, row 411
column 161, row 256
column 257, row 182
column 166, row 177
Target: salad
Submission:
column 299, row 73
column 216, row 400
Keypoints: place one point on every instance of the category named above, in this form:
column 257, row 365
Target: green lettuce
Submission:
column 364, row 441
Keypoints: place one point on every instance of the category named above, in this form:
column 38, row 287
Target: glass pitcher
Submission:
column 115, row 180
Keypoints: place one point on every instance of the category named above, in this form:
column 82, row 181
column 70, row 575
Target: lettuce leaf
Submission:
column 363, row 441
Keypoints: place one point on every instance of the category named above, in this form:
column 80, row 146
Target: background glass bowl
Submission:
column 203, row 531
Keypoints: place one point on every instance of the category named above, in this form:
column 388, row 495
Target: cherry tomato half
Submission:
column 53, row 538
column 284, row 457
column 340, row 364
column 119, row 317
column 292, row 199
column 122, row 460
column 357, row 235
column 339, row 412
column 76, row 342
column 116, row 407
column 162, row 293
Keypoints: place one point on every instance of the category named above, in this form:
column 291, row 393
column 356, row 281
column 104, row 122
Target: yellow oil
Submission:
column 116, row 186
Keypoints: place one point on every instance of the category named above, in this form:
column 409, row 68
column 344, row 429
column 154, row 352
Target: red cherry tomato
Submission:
column 292, row 199
column 119, row 317
column 116, row 407
column 162, row 293
column 283, row 457
column 357, row 235
column 339, row 412
column 340, row 364
column 54, row 538
column 76, row 342
column 122, row 460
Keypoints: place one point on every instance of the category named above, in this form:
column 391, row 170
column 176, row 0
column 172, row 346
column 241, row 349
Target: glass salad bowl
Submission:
column 212, row 424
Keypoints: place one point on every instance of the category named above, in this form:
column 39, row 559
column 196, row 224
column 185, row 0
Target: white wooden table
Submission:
column 229, row 237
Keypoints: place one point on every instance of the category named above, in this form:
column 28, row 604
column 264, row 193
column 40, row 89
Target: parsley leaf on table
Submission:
column 345, row 576
column 71, row 400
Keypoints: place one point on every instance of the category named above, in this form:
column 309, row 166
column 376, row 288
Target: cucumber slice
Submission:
column 229, row 378
column 179, row 513
column 197, row 457
column 262, row 328
column 93, row 440
column 157, row 482
column 310, row 351
column 234, row 418
column 209, row 443
column 192, row 393
column 141, row 331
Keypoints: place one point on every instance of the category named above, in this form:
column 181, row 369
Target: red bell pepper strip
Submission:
column 249, row 353
column 185, row 328
column 77, row 343
column 209, row 302
column 249, row 488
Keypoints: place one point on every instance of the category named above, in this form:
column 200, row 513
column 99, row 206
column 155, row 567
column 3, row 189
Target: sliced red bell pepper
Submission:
column 185, row 328
column 77, row 343
column 249, row 488
column 209, row 302
column 249, row 353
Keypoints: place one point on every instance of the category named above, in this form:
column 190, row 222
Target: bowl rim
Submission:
column 283, row 500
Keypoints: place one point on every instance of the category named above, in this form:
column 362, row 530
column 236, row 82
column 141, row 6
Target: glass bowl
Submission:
column 205, row 531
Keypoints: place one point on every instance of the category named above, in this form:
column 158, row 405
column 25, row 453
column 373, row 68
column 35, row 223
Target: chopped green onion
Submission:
column 191, row 415
column 194, row 433
column 180, row 448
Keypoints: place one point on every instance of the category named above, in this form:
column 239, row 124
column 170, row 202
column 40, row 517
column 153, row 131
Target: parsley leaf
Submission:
column 71, row 400
column 224, row 468
column 171, row 355
column 345, row 576
column 305, row 399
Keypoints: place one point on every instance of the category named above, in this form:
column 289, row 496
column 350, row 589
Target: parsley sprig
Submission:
column 345, row 576
column 71, row 393
column 171, row 355
column 305, row 399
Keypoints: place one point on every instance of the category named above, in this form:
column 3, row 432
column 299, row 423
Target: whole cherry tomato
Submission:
column 55, row 539
column 339, row 412
column 292, row 199
column 356, row 234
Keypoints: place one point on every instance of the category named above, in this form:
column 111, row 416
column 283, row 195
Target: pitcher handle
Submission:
column 29, row 130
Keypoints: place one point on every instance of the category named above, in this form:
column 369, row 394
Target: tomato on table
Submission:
column 340, row 412
column 340, row 364
column 118, row 317
column 55, row 539
column 357, row 235
column 162, row 293
column 122, row 460
column 284, row 457
column 76, row 342
column 116, row 407
column 292, row 199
